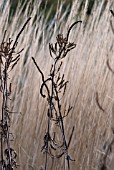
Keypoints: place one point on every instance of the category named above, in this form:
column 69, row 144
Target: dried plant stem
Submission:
column 58, row 51
column 7, row 63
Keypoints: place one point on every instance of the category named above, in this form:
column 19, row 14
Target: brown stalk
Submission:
column 8, row 154
column 58, row 51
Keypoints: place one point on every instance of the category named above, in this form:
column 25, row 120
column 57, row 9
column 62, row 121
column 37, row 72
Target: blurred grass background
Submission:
column 46, row 5
column 85, row 68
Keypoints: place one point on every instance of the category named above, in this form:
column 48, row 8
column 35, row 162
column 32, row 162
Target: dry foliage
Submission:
column 8, row 60
column 58, row 51
column 87, row 72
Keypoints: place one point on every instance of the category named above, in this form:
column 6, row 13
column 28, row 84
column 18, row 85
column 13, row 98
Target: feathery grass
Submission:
column 87, row 72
